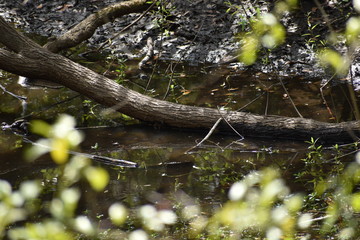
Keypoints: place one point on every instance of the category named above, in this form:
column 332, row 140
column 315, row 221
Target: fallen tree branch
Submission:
column 37, row 62
column 86, row 28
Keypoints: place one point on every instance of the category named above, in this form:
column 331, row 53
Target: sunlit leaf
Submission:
column 281, row 7
column 278, row 33
column 274, row 233
column 249, row 49
column 279, row 214
column 97, row 177
column 347, row 233
column 355, row 202
column 63, row 126
column 292, row 3
column 118, row 213
column 352, row 29
column 198, row 223
column 138, row 235
column 5, row 189
column 356, row 4
column 40, row 127
column 59, row 151
column 73, row 168
column 269, row 19
column 147, row 211
column 74, row 138
column 237, row 191
column 30, row 189
column 17, row 199
column 45, row 230
column 83, row 225
column 333, row 59
column 70, row 198
column 185, row 92
column 167, row 216
column 305, row 220
column 190, row 211
column 294, row 203
column 42, row 146
column 57, row 208
column 357, row 158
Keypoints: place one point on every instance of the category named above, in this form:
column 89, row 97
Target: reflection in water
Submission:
column 204, row 173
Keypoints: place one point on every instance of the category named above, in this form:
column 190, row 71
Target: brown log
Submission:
column 31, row 60
column 86, row 28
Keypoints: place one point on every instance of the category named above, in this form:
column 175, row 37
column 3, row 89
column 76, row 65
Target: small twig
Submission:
column 21, row 98
column 106, row 160
column 267, row 103
column 207, row 135
column 323, row 98
column 172, row 69
column 51, row 106
column 178, row 61
column 292, row 102
column 325, row 15
column 227, row 122
column 249, row 103
column 341, row 156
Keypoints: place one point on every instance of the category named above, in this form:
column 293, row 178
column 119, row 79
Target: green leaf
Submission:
column 97, row 177
column 355, row 202
column 249, row 49
column 333, row 59
column 40, row 127
column 352, row 29
column 59, row 152
column 118, row 213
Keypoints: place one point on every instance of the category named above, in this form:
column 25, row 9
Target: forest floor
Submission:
column 196, row 32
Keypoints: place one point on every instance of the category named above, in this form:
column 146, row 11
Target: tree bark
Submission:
column 31, row 60
column 86, row 28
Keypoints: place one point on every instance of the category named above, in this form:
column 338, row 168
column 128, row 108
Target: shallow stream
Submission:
column 204, row 173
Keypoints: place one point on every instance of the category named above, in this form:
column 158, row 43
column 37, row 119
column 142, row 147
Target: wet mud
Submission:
column 196, row 32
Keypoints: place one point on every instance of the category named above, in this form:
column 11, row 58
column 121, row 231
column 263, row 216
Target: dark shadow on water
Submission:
column 166, row 166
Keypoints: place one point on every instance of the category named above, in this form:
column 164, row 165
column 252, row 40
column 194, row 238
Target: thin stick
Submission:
column 32, row 114
column 292, row 102
column 323, row 98
column 178, row 61
column 227, row 122
column 106, row 160
column 207, row 135
column 21, row 98
column 267, row 104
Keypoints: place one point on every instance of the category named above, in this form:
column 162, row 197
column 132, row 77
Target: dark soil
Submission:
column 196, row 31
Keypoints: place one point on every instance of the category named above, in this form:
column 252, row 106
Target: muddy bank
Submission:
column 197, row 32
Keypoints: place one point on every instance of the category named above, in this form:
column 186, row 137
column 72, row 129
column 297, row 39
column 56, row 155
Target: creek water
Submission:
column 168, row 162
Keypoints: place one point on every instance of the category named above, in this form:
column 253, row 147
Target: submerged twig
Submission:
column 290, row 98
column 235, row 131
column 323, row 98
column 103, row 159
column 51, row 106
column 207, row 135
column 21, row 98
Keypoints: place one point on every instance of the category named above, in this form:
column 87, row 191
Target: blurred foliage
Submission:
column 267, row 32
column 260, row 206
